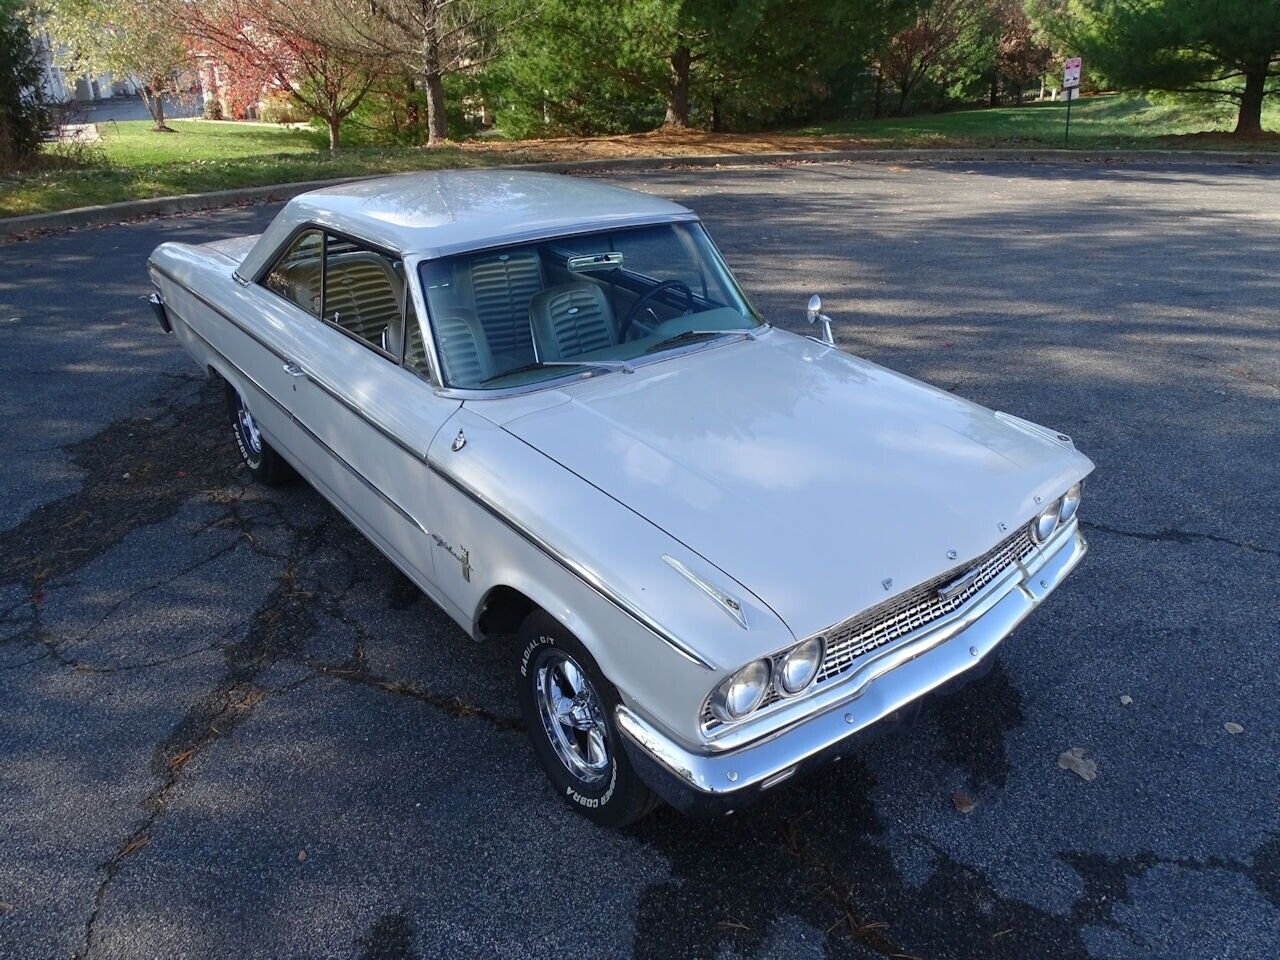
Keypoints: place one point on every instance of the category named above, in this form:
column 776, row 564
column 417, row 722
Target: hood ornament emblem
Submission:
column 951, row 554
column 724, row 601
column 459, row 442
column 887, row 582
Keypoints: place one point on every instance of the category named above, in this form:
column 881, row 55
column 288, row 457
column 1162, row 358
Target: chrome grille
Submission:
column 915, row 608
column 900, row 615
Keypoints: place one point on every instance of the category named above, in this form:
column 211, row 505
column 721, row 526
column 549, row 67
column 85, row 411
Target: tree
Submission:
column 1021, row 56
column 1221, row 49
column 589, row 67
column 929, row 42
column 125, row 38
column 253, row 38
column 431, row 39
column 25, row 116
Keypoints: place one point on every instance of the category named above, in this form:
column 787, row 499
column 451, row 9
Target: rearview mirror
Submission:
column 815, row 314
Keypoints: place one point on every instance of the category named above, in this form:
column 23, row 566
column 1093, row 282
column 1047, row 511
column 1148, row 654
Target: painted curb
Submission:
column 79, row 217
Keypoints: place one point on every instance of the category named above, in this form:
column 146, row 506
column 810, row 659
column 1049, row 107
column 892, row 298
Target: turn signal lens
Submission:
column 800, row 666
column 741, row 693
column 1043, row 526
column 1070, row 501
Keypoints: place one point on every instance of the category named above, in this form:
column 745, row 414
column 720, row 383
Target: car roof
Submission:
column 443, row 212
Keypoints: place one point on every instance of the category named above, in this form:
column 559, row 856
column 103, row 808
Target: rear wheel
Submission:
column 568, row 710
column 263, row 462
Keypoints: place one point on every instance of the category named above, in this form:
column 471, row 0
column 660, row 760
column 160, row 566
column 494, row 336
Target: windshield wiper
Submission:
column 539, row 364
column 689, row 334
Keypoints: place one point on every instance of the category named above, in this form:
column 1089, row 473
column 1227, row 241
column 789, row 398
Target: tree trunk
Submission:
column 437, row 124
column 155, row 107
column 1249, row 120
column 903, row 92
column 433, row 80
column 717, row 117
column 994, row 99
column 333, row 122
column 879, row 107
column 678, row 93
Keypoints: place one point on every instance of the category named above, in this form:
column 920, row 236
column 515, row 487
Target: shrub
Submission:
column 280, row 108
column 25, row 115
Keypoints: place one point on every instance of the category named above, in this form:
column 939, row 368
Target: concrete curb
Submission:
column 62, row 220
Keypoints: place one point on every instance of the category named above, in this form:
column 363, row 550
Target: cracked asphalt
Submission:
column 229, row 727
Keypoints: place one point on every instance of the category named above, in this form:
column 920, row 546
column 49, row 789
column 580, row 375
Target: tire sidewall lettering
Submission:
column 592, row 803
column 533, row 647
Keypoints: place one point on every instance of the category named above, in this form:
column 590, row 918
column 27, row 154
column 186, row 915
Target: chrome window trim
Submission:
column 474, row 393
column 572, row 377
column 582, row 572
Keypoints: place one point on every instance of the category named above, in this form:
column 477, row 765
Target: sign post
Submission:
column 1070, row 90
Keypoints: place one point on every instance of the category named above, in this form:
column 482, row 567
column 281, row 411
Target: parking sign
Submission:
column 1071, row 74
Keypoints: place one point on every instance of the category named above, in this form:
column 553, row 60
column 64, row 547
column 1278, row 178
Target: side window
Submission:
column 364, row 293
column 296, row 275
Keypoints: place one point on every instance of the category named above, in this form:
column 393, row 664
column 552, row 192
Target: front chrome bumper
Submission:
column 893, row 678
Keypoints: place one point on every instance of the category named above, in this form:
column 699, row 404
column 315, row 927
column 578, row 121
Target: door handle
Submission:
column 293, row 370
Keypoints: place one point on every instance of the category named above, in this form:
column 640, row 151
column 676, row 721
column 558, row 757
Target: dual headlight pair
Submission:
column 789, row 673
column 1056, row 513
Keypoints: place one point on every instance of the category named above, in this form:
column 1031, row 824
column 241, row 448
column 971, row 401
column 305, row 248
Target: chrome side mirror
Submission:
column 815, row 314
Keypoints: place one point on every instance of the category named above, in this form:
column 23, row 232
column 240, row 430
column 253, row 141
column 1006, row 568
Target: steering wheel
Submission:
column 648, row 295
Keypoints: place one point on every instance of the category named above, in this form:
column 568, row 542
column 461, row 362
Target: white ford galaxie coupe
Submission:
column 727, row 549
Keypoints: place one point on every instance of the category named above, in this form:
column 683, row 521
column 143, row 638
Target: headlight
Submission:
column 1070, row 501
column 1042, row 526
column 741, row 693
column 798, row 668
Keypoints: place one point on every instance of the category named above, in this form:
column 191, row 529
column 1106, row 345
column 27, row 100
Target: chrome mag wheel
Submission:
column 572, row 717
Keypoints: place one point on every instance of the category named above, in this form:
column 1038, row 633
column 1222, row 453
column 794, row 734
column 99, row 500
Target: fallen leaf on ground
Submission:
column 1233, row 728
column 302, row 856
column 1125, row 700
column 6, row 907
column 1075, row 761
column 963, row 803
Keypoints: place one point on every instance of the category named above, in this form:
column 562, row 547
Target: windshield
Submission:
column 533, row 312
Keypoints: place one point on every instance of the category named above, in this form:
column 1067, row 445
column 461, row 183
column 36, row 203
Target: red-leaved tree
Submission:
column 258, row 51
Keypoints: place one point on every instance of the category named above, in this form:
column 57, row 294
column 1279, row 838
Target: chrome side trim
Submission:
column 330, row 391
column 819, row 736
column 369, row 484
column 253, row 335
column 387, row 435
column 583, row 573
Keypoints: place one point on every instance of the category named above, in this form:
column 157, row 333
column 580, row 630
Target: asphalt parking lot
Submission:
column 229, row 728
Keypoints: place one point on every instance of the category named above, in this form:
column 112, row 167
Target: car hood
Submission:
column 821, row 482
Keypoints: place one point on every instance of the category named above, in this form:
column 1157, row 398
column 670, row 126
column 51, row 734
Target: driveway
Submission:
column 229, row 728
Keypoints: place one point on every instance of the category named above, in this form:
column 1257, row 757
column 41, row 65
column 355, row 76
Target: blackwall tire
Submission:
column 261, row 460
column 567, row 732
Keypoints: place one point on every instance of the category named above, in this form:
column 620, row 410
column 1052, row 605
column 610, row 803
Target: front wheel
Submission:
column 263, row 462
column 568, row 710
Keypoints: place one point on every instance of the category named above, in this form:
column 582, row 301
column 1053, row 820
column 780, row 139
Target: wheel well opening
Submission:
column 502, row 611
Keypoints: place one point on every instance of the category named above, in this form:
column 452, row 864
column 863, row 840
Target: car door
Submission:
column 372, row 412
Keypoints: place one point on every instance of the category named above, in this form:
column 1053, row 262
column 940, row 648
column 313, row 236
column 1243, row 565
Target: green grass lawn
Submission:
column 134, row 162
column 1101, row 121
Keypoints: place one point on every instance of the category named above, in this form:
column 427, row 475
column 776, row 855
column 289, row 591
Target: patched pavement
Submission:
column 229, row 727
